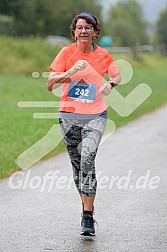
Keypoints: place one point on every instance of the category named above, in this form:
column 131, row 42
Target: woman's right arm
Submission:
column 57, row 79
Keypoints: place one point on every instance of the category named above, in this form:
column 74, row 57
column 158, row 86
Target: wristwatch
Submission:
column 112, row 84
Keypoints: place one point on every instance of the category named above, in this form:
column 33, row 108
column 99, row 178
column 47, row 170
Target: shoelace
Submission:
column 95, row 221
column 89, row 222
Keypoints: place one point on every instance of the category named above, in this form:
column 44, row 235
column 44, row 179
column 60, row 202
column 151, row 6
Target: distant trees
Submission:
column 162, row 31
column 126, row 24
column 63, row 12
column 125, row 21
column 43, row 17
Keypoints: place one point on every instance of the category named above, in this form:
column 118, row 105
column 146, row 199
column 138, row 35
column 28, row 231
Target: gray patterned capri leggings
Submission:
column 82, row 139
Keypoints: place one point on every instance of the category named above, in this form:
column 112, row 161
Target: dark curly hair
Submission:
column 90, row 19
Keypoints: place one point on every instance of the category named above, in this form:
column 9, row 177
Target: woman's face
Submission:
column 84, row 32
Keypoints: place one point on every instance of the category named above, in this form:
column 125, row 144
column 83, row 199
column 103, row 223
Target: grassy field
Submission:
column 19, row 130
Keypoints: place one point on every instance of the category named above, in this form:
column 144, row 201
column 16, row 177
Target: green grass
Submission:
column 24, row 56
column 19, row 130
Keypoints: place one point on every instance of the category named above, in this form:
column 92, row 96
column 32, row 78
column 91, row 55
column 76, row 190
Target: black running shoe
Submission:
column 87, row 225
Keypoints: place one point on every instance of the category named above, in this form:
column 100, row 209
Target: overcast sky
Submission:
column 151, row 8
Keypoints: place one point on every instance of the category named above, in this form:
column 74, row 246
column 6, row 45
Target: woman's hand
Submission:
column 57, row 79
column 105, row 88
column 79, row 66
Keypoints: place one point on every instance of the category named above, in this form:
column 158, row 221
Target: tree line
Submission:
column 44, row 17
column 125, row 21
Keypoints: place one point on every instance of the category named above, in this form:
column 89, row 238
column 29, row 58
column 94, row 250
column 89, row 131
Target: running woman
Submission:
column 80, row 68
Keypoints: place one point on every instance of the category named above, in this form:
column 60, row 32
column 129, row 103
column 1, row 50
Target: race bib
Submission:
column 82, row 91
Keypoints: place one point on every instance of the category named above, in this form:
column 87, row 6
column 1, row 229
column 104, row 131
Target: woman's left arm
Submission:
column 113, row 82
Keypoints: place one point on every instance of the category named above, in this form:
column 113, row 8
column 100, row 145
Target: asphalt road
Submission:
column 41, row 214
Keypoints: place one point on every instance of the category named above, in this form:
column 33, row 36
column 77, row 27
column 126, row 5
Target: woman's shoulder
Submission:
column 69, row 47
column 103, row 53
column 102, row 50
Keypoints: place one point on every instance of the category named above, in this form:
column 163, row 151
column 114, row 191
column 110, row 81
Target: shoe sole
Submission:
column 87, row 233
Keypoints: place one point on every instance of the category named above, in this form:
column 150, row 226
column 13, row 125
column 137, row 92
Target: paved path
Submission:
column 130, row 219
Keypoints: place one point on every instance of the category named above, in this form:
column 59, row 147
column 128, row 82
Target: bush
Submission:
column 6, row 25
